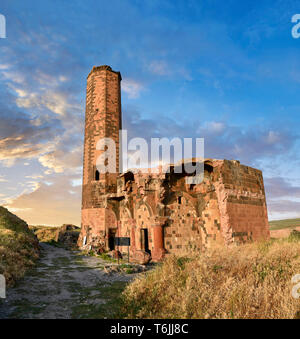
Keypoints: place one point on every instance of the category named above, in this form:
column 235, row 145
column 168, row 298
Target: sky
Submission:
column 226, row 71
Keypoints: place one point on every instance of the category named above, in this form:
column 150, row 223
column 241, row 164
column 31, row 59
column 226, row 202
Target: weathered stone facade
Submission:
column 160, row 212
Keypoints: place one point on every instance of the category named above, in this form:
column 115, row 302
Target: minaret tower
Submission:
column 103, row 119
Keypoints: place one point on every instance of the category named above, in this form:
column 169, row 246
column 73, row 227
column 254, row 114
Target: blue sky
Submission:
column 226, row 71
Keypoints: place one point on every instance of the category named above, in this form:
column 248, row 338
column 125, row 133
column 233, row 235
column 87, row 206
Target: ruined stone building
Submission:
column 161, row 213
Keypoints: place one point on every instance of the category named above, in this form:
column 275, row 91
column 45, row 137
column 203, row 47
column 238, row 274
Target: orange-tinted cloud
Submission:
column 55, row 203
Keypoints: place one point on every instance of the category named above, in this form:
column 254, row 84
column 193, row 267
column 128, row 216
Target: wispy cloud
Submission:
column 2, row 179
column 159, row 67
column 132, row 88
column 222, row 139
column 53, row 204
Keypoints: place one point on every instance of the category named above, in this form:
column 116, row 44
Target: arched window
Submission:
column 97, row 175
column 208, row 168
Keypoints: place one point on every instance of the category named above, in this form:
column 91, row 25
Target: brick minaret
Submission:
column 102, row 120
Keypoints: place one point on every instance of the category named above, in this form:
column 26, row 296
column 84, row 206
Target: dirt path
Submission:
column 65, row 285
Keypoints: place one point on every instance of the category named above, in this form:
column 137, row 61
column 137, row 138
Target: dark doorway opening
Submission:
column 111, row 239
column 97, row 176
column 145, row 240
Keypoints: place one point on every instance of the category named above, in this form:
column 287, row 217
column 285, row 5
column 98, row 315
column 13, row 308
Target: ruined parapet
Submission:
column 242, row 202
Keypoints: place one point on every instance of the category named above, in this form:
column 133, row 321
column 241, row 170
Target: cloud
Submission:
column 279, row 187
column 55, row 102
column 282, row 198
column 216, row 127
column 3, row 67
column 35, row 176
column 13, row 76
column 24, row 134
column 132, row 88
column 22, row 137
column 279, row 209
column 15, row 148
column 159, row 67
column 44, row 123
column 2, row 179
column 43, row 71
column 169, row 68
column 246, row 144
column 222, row 140
column 62, row 159
column 53, row 204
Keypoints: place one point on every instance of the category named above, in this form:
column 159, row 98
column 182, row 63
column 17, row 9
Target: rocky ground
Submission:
column 65, row 284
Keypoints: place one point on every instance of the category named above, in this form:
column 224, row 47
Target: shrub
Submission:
column 294, row 236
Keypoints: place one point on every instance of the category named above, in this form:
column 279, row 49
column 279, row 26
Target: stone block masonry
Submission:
column 161, row 213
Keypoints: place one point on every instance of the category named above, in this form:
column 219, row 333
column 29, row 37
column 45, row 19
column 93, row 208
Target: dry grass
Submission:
column 18, row 247
column 62, row 236
column 18, row 252
column 46, row 234
column 249, row 281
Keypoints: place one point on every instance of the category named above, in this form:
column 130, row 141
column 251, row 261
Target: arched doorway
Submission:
column 144, row 237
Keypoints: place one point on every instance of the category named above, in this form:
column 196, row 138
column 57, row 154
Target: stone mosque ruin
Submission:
column 160, row 212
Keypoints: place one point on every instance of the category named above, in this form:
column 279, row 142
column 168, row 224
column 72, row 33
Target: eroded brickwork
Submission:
column 103, row 119
column 160, row 212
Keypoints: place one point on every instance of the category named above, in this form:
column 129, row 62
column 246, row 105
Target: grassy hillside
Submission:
column 247, row 281
column 45, row 234
column 18, row 246
column 65, row 235
column 282, row 224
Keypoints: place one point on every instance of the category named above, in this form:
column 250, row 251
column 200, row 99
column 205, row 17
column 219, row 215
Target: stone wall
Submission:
column 160, row 212
column 242, row 197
